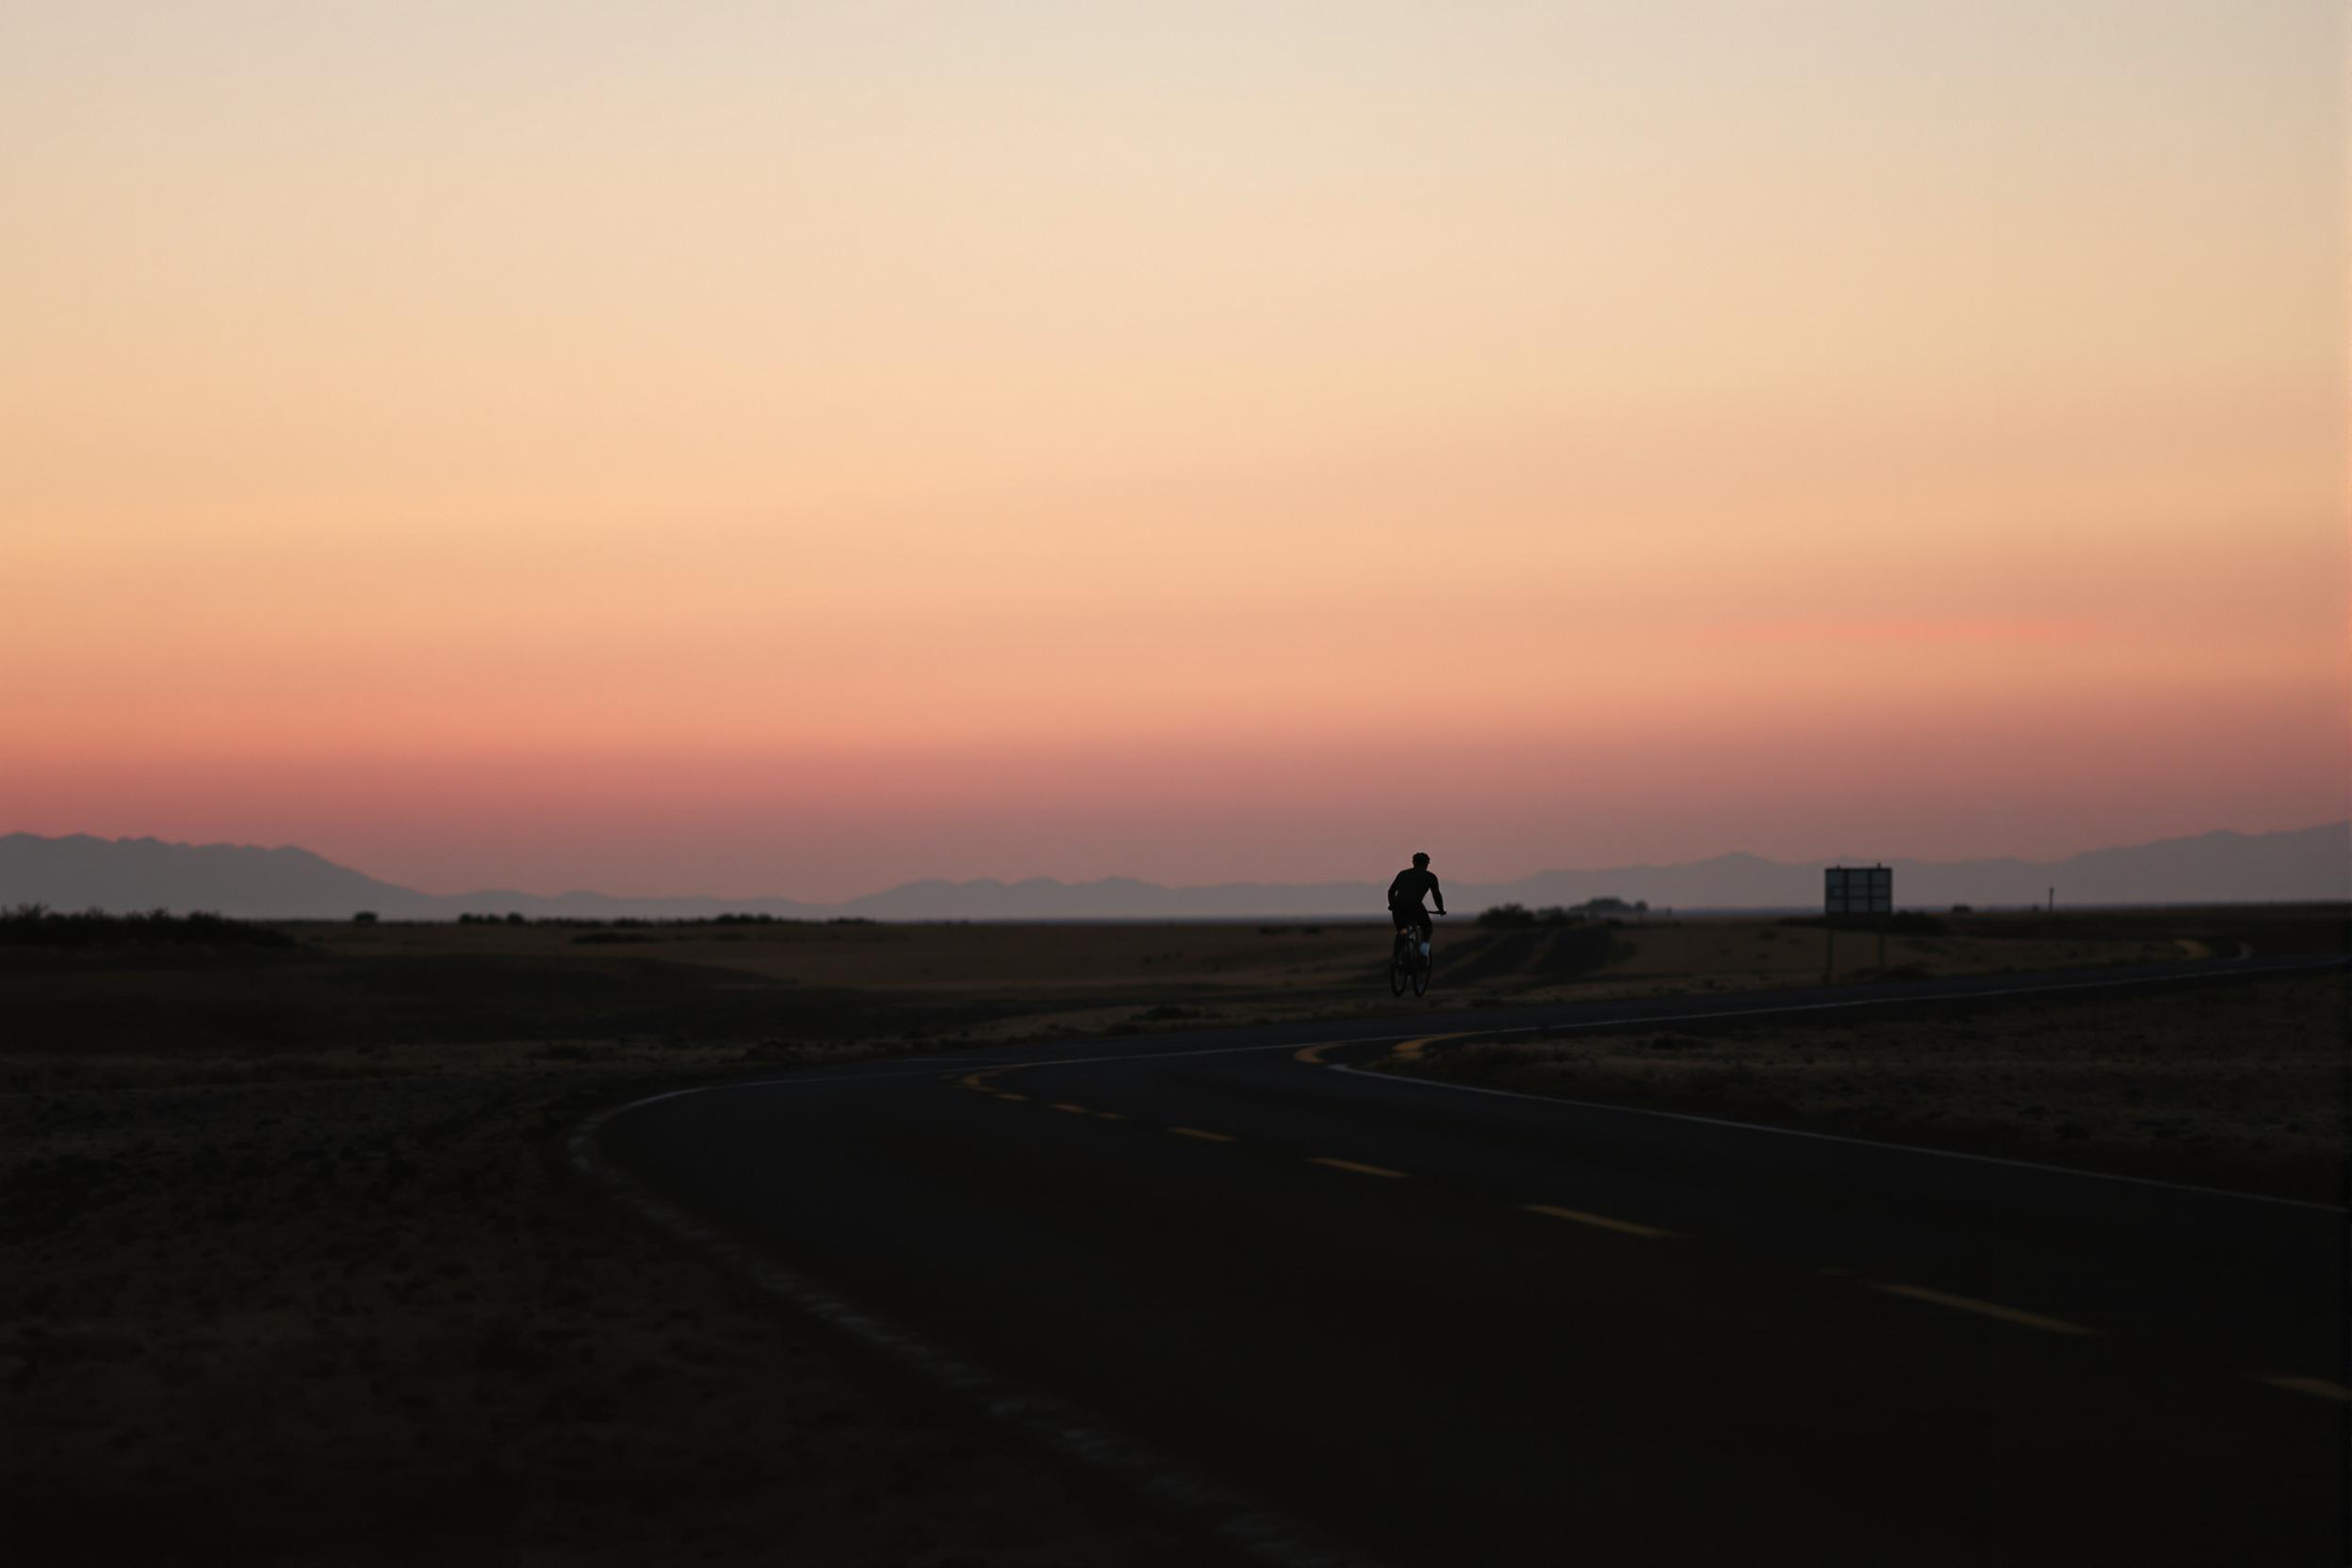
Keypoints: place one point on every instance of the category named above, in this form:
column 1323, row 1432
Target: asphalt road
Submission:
column 1446, row 1326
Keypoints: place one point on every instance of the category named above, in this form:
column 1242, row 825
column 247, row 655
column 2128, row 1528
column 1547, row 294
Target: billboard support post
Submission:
column 1855, row 890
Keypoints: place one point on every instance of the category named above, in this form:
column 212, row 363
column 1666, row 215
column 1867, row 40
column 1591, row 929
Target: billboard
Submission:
column 1861, row 890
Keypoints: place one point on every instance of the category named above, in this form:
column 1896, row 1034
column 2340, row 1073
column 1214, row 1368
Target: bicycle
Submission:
column 1408, row 965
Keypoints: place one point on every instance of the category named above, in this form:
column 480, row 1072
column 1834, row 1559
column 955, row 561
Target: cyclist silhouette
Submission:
column 1404, row 900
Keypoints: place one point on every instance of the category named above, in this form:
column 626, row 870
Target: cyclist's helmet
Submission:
column 1421, row 859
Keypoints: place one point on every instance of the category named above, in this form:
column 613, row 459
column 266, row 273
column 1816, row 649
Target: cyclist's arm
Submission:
column 1437, row 895
column 1392, row 886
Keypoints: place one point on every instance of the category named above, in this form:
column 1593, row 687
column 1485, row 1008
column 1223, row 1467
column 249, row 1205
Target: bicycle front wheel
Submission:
column 1421, row 975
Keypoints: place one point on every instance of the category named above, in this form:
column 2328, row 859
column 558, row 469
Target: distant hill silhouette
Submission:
column 123, row 874
column 127, row 874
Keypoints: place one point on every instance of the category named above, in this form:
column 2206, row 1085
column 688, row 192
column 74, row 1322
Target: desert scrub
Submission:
column 2240, row 1083
column 35, row 925
column 379, row 1320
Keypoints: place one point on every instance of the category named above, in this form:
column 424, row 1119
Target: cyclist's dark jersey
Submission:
column 1412, row 885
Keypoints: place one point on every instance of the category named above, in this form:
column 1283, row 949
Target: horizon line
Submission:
column 2345, row 824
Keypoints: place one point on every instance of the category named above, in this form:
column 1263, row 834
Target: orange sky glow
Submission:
column 755, row 450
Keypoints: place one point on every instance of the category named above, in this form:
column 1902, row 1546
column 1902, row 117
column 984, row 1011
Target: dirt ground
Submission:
column 2236, row 1085
column 379, row 1321
column 387, row 1000
column 296, row 1271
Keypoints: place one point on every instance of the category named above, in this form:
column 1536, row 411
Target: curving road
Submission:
column 1448, row 1325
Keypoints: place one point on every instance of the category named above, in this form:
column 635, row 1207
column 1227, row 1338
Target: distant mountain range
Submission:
column 82, row 873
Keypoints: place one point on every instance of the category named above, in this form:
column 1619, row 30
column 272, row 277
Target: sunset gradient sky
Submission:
column 753, row 447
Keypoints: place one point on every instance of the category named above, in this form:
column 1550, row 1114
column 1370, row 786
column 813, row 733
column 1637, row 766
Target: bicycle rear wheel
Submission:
column 1399, row 970
column 1421, row 973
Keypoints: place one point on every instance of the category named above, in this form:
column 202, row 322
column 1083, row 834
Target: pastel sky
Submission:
column 758, row 448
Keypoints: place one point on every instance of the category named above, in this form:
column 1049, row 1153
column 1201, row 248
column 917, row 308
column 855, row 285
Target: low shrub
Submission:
column 35, row 925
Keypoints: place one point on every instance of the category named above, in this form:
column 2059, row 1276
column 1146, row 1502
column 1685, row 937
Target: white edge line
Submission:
column 1833, row 1138
column 1257, row 1534
column 957, row 1067
column 1898, row 1000
column 1475, row 1034
column 1169, row 1055
column 813, row 1075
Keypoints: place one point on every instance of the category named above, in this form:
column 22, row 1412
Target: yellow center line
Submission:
column 1007, row 1094
column 1074, row 1110
column 1410, row 1050
column 1580, row 1216
column 1203, row 1136
column 2317, row 1387
column 1110, row 1116
column 1358, row 1169
column 1984, row 1308
column 1313, row 1054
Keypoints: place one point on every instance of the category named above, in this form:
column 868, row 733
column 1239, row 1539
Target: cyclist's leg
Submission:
column 1426, row 927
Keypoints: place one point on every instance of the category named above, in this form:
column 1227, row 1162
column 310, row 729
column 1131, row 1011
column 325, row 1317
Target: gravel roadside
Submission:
column 379, row 1320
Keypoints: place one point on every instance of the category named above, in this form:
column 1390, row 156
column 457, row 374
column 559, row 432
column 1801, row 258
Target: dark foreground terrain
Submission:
column 299, row 1272
column 2241, row 1086
column 1433, row 1326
